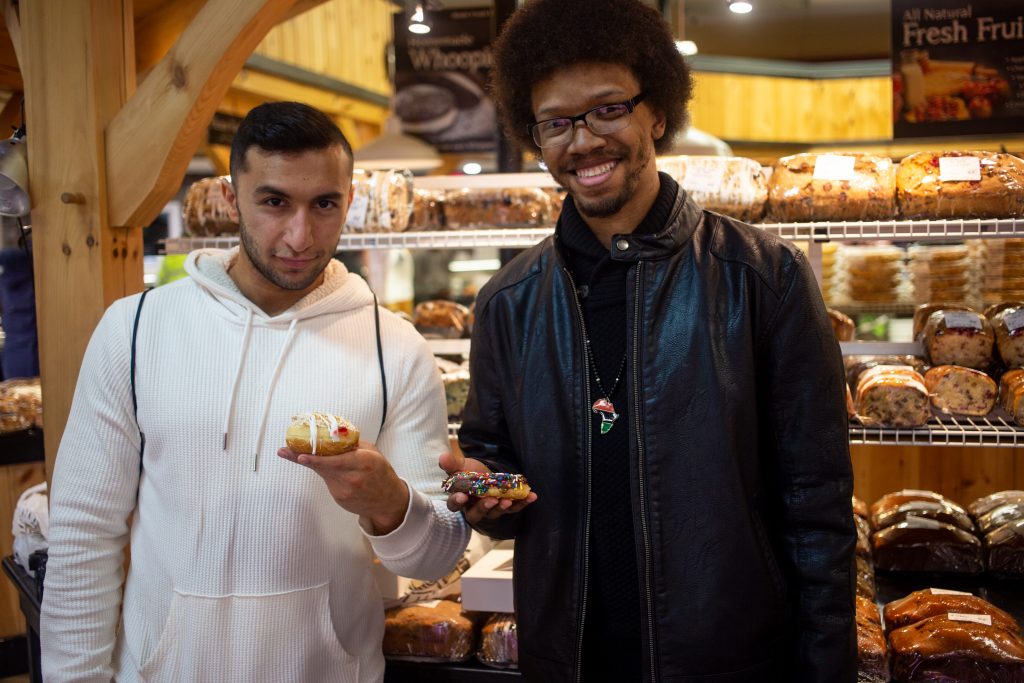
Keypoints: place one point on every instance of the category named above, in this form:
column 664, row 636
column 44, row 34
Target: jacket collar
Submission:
column 663, row 231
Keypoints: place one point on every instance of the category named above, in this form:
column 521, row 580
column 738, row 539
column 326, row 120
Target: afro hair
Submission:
column 546, row 35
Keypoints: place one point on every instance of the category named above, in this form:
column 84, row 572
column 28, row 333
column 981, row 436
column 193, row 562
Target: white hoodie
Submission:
column 243, row 567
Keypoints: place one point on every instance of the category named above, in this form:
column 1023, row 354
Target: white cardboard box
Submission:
column 487, row 585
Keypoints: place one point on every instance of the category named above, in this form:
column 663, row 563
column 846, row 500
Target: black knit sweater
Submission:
column 612, row 624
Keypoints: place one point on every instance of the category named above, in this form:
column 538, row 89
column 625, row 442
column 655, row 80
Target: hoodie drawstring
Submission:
column 238, row 376
column 270, row 391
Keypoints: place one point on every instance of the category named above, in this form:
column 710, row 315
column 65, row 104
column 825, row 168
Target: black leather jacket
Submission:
column 741, row 476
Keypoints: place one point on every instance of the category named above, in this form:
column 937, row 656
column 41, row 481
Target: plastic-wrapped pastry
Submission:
column 832, row 187
column 1008, row 325
column 897, row 498
column 1011, row 394
column 432, row 631
column 440, row 319
column 922, row 312
column 892, row 396
column 865, row 578
column 990, row 502
column 863, row 536
column 991, row 310
column 392, row 200
column 360, row 214
column 926, row 509
column 961, row 391
column 733, row 186
column 499, row 642
column 996, row 517
column 1004, row 549
column 427, row 210
column 924, row 545
column 842, row 324
column 930, row 602
column 856, row 365
column 206, row 211
column 872, row 652
column 960, row 185
column 953, row 648
column 860, row 508
column 959, row 338
column 490, row 208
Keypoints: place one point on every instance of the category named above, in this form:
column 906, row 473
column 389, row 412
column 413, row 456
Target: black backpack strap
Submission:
column 380, row 361
column 135, row 399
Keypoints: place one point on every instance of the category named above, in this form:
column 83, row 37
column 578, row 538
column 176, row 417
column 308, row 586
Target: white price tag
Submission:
column 976, row 618
column 703, row 178
column 357, row 211
column 946, row 591
column 962, row 320
column 957, row 169
column 1014, row 321
column 833, row 167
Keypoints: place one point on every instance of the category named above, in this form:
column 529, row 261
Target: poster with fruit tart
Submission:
column 957, row 67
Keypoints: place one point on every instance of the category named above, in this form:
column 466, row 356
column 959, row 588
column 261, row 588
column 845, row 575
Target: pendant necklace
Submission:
column 603, row 406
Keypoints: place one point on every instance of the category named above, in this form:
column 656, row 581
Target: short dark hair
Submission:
column 546, row 35
column 290, row 127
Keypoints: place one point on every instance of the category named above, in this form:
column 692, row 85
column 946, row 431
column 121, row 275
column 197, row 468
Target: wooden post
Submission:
column 77, row 74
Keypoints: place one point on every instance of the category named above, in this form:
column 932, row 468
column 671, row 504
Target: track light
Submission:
column 739, row 6
column 418, row 20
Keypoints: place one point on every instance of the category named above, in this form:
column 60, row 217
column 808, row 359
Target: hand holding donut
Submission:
column 463, row 491
column 358, row 476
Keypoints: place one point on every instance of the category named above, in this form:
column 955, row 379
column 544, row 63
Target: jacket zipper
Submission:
column 643, row 484
column 586, row 516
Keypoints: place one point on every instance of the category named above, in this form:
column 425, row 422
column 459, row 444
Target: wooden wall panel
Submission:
column 959, row 473
column 14, row 479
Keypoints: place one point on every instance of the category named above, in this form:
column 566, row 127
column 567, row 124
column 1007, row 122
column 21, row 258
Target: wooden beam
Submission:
column 275, row 88
column 156, row 32
column 10, row 116
column 76, row 78
column 175, row 103
column 12, row 19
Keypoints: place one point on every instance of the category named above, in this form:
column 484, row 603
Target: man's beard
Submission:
column 603, row 208
column 253, row 252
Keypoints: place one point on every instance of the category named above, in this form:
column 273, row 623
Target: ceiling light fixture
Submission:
column 739, row 6
column 418, row 20
column 686, row 47
column 394, row 149
column 472, row 168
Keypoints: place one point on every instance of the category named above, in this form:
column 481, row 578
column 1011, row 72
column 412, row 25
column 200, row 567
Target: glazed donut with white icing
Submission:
column 321, row 434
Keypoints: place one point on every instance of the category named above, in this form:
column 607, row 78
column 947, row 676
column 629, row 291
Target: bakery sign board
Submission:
column 958, row 67
column 441, row 81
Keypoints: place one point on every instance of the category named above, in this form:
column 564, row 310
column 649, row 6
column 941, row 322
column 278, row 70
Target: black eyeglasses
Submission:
column 603, row 120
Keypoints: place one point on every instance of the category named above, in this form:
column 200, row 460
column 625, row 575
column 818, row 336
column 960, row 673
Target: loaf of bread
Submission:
column 1004, row 549
column 951, row 648
column 392, row 200
column 892, row 396
column 1011, row 394
column 439, row 319
column 1004, row 514
column 936, row 185
column 926, row 509
column 206, row 211
column 499, row 642
column 427, row 210
column 872, row 652
column 21, row 404
column 1008, row 325
column 865, row 578
column 930, row 602
column 897, row 498
column 986, row 504
column 958, row 390
column 924, row 311
column 857, row 365
column 925, row 545
column 733, row 186
column 832, row 187
column 842, row 325
column 487, row 208
column 435, row 631
column 958, row 337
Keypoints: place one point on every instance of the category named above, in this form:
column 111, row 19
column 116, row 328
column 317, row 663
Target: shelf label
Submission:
column 946, row 591
column 962, row 320
column 976, row 618
column 703, row 178
column 833, row 167
column 1014, row 320
column 357, row 211
column 958, row 169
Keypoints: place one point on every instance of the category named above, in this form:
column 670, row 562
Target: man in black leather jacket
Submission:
column 668, row 381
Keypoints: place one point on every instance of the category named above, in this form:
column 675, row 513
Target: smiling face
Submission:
column 291, row 208
column 604, row 173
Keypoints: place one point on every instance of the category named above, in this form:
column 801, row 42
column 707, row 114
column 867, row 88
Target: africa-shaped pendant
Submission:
column 606, row 410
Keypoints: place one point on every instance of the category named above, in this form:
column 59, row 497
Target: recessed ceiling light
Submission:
column 739, row 6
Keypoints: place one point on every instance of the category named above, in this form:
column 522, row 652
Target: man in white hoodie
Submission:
column 248, row 562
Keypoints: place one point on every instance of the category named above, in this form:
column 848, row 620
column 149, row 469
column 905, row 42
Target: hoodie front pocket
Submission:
column 280, row 637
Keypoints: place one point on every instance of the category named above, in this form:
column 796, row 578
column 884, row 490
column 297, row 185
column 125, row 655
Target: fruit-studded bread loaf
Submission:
column 499, row 642
column 434, row 631
column 832, row 187
column 959, row 337
column 733, row 186
column 961, row 391
column 892, row 396
column 1008, row 325
column 1011, row 394
column 938, row 185
column 487, row 208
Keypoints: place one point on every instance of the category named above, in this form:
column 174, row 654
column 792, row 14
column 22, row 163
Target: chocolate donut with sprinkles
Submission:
column 488, row 484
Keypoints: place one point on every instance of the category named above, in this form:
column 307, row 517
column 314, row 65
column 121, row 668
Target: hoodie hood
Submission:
column 339, row 292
